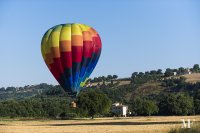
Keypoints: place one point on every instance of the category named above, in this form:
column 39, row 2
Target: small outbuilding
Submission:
column 119, row 109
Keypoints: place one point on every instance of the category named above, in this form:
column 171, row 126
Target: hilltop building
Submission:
column 188, row 71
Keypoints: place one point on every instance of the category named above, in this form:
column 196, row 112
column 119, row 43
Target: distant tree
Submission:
column 186, row 105
column 167, row 104
column 147, row 73
column 2, row 89
column 153, row 72
column 112, row 83
column 100, row 79
column 149, row 107
column 196, row 68
column 95, row 79
column 57, row 90
column 114, row 76
column 176, row 104
column 93, row 102
column 168, row 72
column 159, row 71
column 197, row 106
column 134, row 74
column 137, row 106
column 10, row 89
column 109, row 77
column 21, row 88
column 3, row 111
column 104, row 83
column 103, row 78
column 197, row 102
column 12, row 108
column 144, row 107
column 140, row 74
column 181, row 71
column 52, row 108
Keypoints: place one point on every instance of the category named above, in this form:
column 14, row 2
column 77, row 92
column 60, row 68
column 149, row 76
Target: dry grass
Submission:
column 124, row 82
column 193, row 129
column 101, row 125
column 120, row 83
column 192, row 78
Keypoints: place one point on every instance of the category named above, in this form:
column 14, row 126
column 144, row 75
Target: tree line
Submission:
column 97, row 102
column 55, row 104
column 177, row 97
column 103, row 78
column 154, row 75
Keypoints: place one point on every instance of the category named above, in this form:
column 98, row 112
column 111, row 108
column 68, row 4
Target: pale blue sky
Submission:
column 137, row 35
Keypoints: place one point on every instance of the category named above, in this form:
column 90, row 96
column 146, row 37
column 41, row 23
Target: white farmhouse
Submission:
column 174, row 73
column 119, row 109
column 188, row 71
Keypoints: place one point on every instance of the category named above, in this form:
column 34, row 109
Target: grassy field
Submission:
column 155, row 124
column 193, row 78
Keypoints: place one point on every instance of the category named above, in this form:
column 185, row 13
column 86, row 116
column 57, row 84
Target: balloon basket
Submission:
column 72, row 95
column 73, row 104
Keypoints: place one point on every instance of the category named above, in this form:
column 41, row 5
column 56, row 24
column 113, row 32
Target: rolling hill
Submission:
column 120, row 87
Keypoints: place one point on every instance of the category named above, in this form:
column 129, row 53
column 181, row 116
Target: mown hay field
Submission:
column 192, row 78
column 156, row 124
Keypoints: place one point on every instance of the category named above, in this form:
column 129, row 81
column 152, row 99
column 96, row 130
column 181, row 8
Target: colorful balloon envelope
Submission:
column 71, row 52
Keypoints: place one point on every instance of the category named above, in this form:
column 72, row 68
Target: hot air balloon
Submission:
column 71, row 52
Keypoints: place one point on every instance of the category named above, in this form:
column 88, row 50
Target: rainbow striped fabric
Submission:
column 71, row 52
